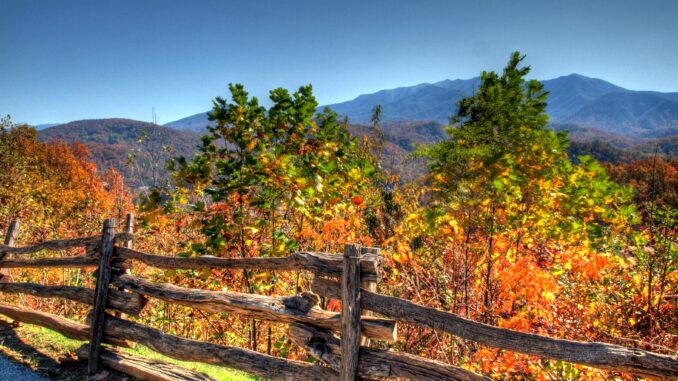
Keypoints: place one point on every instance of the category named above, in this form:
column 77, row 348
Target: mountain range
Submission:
column 602, row 119
column 137, row 149
column 574, row 99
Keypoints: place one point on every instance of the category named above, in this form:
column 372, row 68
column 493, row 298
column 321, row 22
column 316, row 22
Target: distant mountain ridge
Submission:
column 193, row 123
column 45, row 125
column 137, row 149
column 602, row 119
column 574, row 99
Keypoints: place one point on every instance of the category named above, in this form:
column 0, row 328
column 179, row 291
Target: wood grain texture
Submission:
column 64, row 326
column 52, row 245
column 370, row 286
column 597, row 355
column 252, row 362
column 59, row 262
column 57, row 323
column 324, row 346
column 127, row 238
column 12, row 234
column 143, row 369
column 61, row 244
column 318, row 263
column 283, row 309
column 101, row 296
column 10, row 239
column 128, row 303
column 350, row 313
column 129, row 229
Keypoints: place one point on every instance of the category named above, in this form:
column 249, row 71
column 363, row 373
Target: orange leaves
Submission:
column 590, row 265
column 334, row 305
column 251, row 144
column 55, row 184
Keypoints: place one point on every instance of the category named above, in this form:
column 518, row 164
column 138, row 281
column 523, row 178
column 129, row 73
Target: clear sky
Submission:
column 67, row 60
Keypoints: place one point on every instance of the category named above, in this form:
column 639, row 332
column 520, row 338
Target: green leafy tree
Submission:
column 270, row 180
column 507, row 181
column 280, row 168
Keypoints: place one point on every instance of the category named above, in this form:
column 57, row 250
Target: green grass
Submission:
column 220, row 373
column 56, row 342
column 47, row 339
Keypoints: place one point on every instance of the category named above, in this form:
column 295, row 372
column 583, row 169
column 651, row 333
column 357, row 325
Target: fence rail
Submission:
column 597, row 355
column 350, row 278
column 322, row 264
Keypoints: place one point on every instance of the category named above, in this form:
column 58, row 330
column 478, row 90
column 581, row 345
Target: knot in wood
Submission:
column 303, row 302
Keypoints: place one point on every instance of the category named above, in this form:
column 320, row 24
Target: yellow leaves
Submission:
column 170, row 273
column 548, row 296
column 400, row 258
column 402, row 254
column 439, row 178
column 251, row 144
column 157, row 219
column 598, row 209
column 355, row 174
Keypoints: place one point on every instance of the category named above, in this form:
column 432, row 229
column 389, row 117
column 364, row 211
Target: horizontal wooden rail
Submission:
column 252, row 362
column 57, row 323
column 62, row 244
column 319, row 263
column 58, row 262
column 129, row 303
column 598, row 355
column 66, row 327
column 298, row 308
column 324, row 346
column 143, row 368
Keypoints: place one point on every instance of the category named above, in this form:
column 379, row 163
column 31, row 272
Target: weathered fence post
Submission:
column 369, row 286
column 129, row 229
column 350, row 313
column 100, row 296
column 10, row 239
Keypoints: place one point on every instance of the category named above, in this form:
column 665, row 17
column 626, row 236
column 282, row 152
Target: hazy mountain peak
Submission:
column 573, row 98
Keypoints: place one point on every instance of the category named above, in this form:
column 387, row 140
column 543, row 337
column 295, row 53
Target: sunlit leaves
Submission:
column 279, row 173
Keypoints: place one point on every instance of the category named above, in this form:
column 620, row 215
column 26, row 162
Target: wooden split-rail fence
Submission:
column 350, row 278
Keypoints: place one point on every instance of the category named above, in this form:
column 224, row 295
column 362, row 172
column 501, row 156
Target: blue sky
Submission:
column 67, row 60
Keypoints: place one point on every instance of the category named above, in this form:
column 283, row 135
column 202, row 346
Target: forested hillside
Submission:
column 139, row 150
column 493, row 221
column 575, row 99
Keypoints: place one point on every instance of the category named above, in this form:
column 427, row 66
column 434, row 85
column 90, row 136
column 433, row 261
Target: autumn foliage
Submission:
column 504, row 228
column 54, row 188
column 57, row 193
